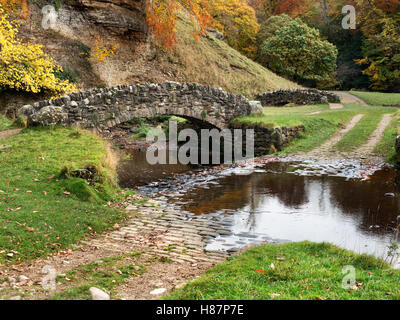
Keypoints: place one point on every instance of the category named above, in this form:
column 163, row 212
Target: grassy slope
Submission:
column 378, row 98
column 300, row 271
column 41, row 212
column 213, row 62
column 5, row 123
column 321, row 126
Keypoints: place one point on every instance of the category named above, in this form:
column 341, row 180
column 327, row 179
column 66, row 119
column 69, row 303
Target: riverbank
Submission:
column 295, row 271
column 45, row 206
column 53, row 217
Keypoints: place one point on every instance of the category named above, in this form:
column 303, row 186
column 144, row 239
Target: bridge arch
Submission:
column 105, row 108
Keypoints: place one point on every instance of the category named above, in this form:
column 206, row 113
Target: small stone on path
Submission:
column 98, row 294
column 158, row 291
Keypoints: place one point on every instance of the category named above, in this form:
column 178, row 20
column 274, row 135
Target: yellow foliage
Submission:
column 100, row 52
column 24, row 66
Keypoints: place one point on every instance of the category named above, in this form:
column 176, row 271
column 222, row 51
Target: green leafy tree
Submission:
column 268, row 29
column 299, row 53
column 381, row 45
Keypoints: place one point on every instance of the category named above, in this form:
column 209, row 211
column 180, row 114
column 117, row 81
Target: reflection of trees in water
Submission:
column 366, row 199
column 231, row 193
column 288, row 188
column 236, row 192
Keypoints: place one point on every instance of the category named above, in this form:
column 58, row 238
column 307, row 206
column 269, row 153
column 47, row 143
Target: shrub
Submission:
column 24, row 66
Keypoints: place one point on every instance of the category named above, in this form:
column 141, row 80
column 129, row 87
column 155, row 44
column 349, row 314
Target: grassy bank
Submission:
column 5, row 123
column 305, row 271
column 321, row 122
column 378, row 98
column 43, row 208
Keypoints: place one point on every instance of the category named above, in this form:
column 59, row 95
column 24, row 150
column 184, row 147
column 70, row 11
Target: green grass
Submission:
column 386, row 147
column 40, row 211
column 360, row 133
column 320, row 127
column 378, row 98
column 305, row 270
column 105, row 275
column 5, row 123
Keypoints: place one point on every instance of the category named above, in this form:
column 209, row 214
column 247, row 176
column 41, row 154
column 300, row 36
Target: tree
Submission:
column 381, row 45
column 268, row 29
column 162, row 18
column 24, row 66
column 298, row 52
column 15, row 6
column 237, row 20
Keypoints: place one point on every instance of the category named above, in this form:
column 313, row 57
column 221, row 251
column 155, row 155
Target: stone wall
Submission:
column 270, row 140
column 297, row 96
column 105, row 108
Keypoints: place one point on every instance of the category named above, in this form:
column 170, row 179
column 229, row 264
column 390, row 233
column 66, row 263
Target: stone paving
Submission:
column 169, row 233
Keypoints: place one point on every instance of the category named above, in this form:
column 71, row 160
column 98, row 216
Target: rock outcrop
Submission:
column 119, row 17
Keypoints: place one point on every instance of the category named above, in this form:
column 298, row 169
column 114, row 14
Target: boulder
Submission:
column 255, row 107
column 48, row 116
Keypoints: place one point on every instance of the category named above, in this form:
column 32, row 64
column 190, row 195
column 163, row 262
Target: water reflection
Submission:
column 285, row 201
column 351, row 213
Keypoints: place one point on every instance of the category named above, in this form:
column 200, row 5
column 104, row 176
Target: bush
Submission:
column 298, row 52
column 24, row 66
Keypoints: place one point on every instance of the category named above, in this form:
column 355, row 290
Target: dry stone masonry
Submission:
column 105, row 108
column 270, row 140
column 298, row 97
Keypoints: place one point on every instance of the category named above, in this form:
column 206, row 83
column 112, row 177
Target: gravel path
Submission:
column 346, row 97
column 157, row 232
column 325, row 150
column 9, row 133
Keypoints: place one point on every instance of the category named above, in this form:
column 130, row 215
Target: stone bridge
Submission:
column 105, row 108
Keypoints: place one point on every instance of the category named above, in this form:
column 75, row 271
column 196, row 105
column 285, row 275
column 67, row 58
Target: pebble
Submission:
column 389, row 195
column 98, row 294
column 22, row 278
column 158, row 291
column 16, row 298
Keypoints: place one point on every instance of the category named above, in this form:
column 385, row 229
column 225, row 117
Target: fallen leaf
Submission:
column 261, row 271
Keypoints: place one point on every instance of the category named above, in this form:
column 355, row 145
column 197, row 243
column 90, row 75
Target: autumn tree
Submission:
column 381, row 44
column 238, row 22
column 162, row 17
column 298, row 52
column 24, row 66
column 19, row 7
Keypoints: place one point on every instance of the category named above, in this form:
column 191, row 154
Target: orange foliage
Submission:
column 267, row 8
column 16, row 6
column 388, row 6
column 291, row 7
column 162, row 17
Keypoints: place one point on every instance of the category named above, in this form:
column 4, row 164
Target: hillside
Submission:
column 82, row 25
